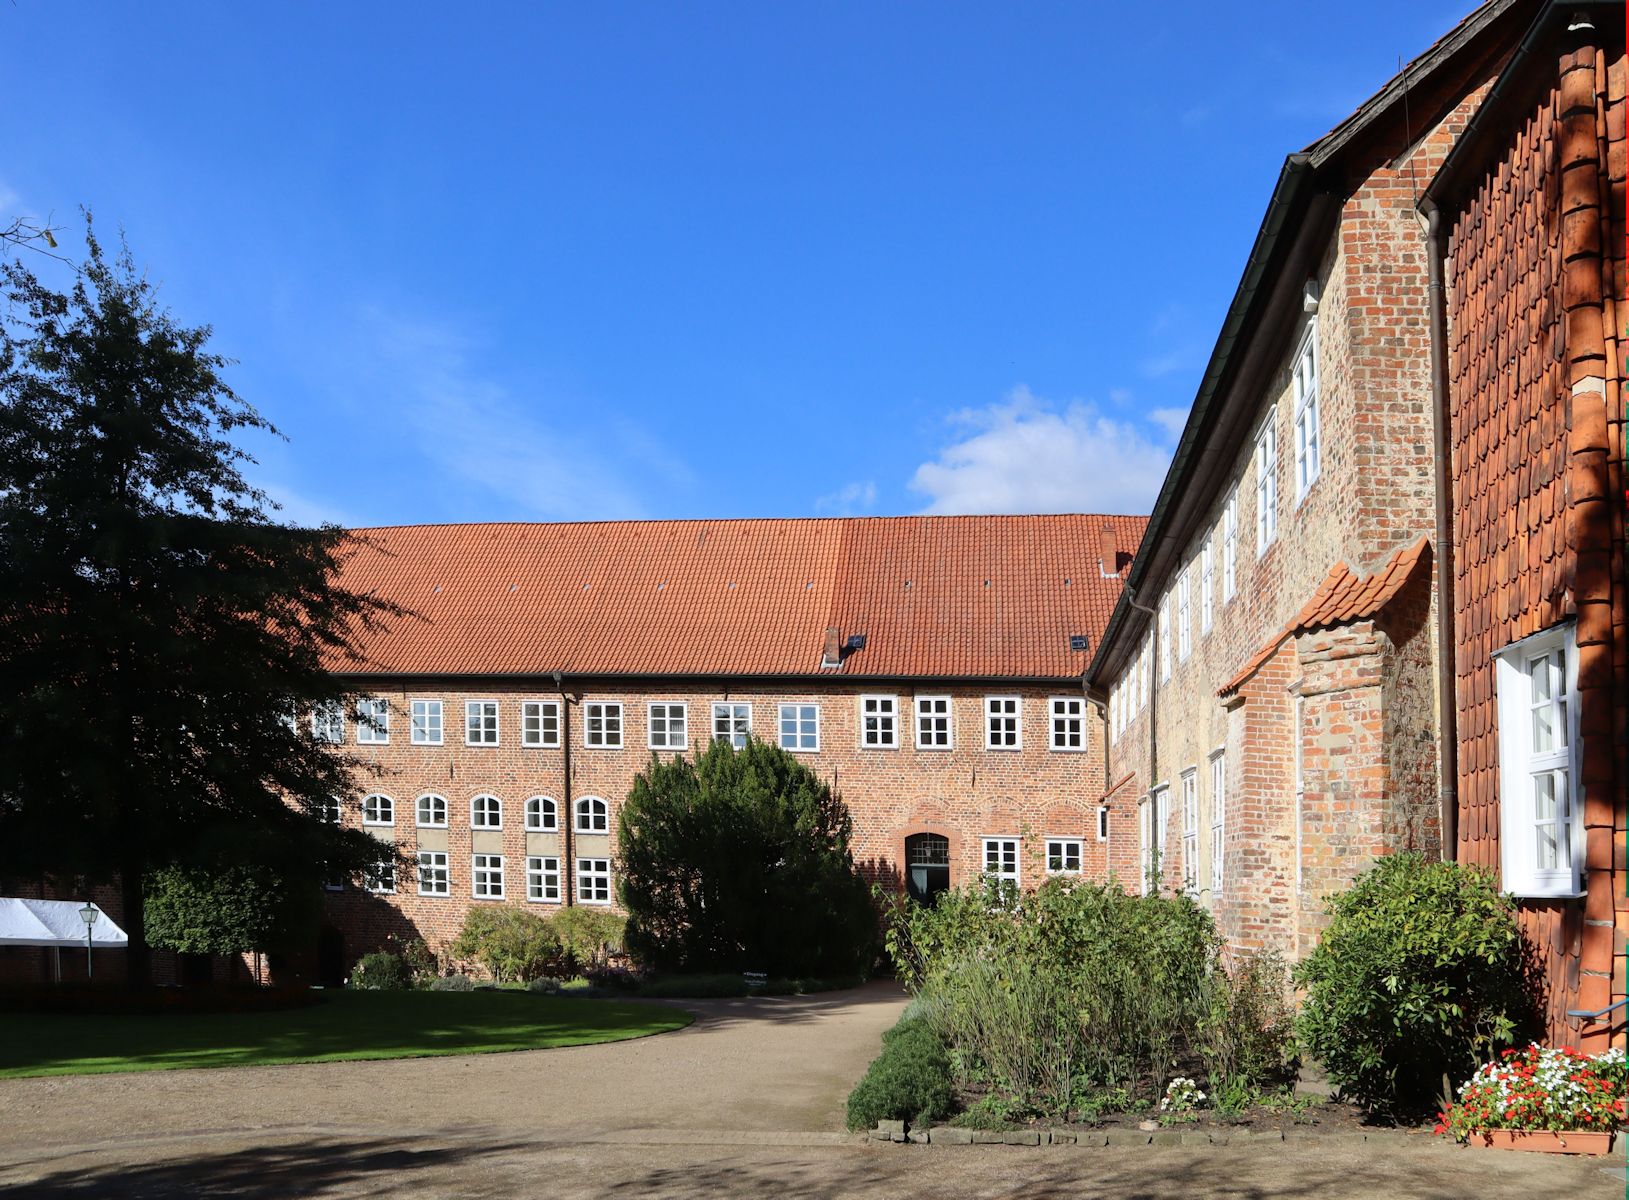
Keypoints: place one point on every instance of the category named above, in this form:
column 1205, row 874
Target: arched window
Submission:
column 432, row 811
column 592, row 815
column 486, row 812
column 378, row 809
column 541, row 815
column 927, row 866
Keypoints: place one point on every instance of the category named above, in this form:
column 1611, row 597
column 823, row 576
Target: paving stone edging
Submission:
column 952, row 1135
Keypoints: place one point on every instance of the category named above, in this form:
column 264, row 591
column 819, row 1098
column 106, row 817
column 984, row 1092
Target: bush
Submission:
column 909, row 1081
column 740, row 860
column 512, row 945
column 452, row 983
column 381, row 971
column 421, row 962
column 1422, row 972
column 588, row 935
column 232, row 910
column 1248, row 1039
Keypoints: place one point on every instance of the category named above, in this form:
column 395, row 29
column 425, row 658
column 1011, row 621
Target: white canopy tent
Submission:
column 55, row 923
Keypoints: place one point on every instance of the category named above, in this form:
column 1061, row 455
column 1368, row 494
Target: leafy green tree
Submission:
column 197, row 910
column 159, row 628
column 739, row 860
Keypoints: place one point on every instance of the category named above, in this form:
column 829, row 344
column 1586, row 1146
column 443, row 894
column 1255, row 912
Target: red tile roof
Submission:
column 1341, row 598
column 934, row 596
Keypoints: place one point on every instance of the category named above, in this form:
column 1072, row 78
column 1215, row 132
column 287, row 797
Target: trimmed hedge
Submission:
column 909, row 1081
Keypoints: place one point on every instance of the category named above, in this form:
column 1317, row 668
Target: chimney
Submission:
column 1108, row 552
column 832, row 654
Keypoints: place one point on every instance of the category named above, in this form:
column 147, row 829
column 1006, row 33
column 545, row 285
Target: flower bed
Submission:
column 1541, row 1098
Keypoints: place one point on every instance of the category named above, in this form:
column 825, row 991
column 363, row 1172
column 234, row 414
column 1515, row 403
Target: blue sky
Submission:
column 534, row 262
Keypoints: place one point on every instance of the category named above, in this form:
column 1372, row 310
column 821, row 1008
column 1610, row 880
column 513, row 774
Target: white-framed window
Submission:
column 1207, row 585
column 933, row 730
column 1001, row 858
column 481, row 723
column 1003, row 724
column 328, row 722
column 1267, row 483
column 800, row 727
column 1063, row 856
column 433, row 878
column 668, row 727
column 602, row 725
column 543, row 879
column 425, row 720
column 380, row 878
column 1541, row 835
column 1190, row 831
column 540, row 723
column 1308, row 435
column 1184, row 614
column 373, row 722
column 594, row 881
column 430, row 811
column 593, row 815
column 378, row 809
column 486, row 812
column 1218, row 820
column 1068, row 722
column 879, row 722
column 486, row 876
column 732, row 723
column 1165, row 639
column 1156, row 820
column 1102, row 822
column 542, row 816
column 328, row 810
column 1230, row 544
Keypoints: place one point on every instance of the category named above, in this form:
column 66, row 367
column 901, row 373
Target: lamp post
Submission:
column 88, row 914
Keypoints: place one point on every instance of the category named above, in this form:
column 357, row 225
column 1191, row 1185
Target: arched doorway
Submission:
column 927, row 866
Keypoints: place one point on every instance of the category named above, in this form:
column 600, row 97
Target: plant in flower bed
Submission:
column 1539, row 1089
column 1182, row 1097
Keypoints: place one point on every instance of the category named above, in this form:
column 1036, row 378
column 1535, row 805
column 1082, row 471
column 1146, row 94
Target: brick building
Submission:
column 930, row 667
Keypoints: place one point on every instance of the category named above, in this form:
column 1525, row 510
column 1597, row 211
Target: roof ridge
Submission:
column 878, row 517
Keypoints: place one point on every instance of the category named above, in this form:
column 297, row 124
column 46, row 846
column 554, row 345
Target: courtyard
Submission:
column 747, row 1100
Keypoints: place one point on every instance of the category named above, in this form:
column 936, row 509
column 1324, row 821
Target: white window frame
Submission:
column 1156, row 822
column 584, row 814
column 1102, row 822
column 420, row 806
column 373, row 721
column 1267, row 483
column 928, row 711
column 1520, row 763
column 328, row 810
column 477, row 809
column 1218, row 821
column 879, row 722
column 435, row 878
column 609, row 716
column 1190, row 831
column 380, row 878
column 547, row 814
column 1003, row 722
column 796, row 707
column 542, row 878
column 1067, row 721
column 1308, row 428
column 590, row 872
column 1207, row 584
column 1165, row 638
column 384, row 809
column 668, row 709
column 481, row 718
column 486, row 876
column 727, row 722
column 1184, row 614
column 1059, row 849
column 425, row 718
column 536, row 716
column 1230, row 545
column 328, row 723
column 1005, row 847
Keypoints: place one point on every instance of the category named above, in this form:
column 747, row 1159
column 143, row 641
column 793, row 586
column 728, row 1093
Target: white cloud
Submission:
column 299, row 508
column 848, row 499
column 1028, row 455
column 1169, row 419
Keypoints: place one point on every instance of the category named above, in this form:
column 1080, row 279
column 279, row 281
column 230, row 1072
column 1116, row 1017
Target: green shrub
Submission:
column 1421, row 972
column 452, row 983
column 1248, row 1039
column 740, row 861
column 587, row 935
column 909, row 1081
column 381, row 971
column 511, row 944
column 422, row 963
column 230, row 910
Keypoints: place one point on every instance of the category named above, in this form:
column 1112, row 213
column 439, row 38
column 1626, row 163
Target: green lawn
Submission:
column 346, row 1025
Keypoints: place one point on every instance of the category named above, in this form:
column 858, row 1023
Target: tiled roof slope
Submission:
column 1341, row 598
column 978, row 596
